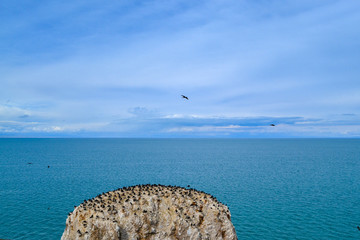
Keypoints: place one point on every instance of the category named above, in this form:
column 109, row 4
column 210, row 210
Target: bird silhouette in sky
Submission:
column 185, row 97
column 273, row 125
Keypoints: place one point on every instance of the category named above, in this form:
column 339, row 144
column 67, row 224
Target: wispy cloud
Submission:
column 142, row 122
column 86, row 67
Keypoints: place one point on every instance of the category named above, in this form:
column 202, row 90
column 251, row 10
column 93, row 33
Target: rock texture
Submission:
column 150, row 212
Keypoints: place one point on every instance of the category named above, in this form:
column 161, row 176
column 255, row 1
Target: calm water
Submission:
column 275, row 188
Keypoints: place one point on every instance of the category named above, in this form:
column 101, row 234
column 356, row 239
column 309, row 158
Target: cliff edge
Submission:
column 150, row 212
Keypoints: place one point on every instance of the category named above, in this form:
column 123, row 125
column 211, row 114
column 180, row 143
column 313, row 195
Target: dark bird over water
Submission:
column 273, row 125
column 185, row 97
column 358, row 228
column 29, row 162
column 48, row 166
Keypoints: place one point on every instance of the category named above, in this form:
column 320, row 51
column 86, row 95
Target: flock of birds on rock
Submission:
column 133, row 193
column 132, row 201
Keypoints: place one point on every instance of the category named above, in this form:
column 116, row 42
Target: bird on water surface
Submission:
column 185, row 97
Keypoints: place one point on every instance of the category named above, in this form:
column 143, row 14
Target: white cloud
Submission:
column 232, row 58
column 12, row 112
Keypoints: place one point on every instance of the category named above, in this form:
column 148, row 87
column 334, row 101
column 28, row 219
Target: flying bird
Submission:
column 273, row 125
column 185, row 97
column 358, row 228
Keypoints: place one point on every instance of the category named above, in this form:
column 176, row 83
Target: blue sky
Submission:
column 117, row 68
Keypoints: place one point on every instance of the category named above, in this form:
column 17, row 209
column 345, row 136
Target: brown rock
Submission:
column 150, row 212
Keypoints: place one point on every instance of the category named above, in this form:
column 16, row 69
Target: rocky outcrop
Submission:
column 150, row 212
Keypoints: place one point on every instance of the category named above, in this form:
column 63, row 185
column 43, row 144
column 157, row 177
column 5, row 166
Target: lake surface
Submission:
column 274, row 188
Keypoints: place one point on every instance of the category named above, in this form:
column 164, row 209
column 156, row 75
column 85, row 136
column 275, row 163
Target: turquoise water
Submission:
column 275, row 188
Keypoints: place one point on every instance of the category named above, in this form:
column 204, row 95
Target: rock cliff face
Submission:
column 150, row 212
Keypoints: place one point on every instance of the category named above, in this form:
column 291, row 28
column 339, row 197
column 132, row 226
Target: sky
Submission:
column 118, row 68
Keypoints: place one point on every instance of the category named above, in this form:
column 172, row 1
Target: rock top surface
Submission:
column 150, row 212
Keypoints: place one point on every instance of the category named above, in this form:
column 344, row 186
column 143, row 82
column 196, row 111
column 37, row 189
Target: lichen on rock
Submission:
column 150, row 212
